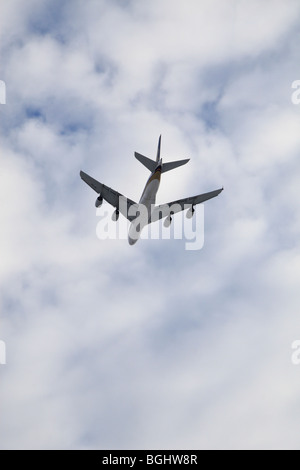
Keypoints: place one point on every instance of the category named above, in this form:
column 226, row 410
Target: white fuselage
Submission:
column 146, row 204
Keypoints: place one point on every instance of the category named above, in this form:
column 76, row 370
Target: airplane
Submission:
column 146, row 212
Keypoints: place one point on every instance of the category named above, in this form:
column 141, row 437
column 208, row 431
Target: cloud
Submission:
column 112, row 346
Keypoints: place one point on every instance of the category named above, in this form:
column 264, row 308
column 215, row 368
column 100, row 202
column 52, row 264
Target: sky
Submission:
column 151, row 346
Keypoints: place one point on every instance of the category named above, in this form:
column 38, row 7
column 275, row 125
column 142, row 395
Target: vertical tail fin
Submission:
column 158, row 149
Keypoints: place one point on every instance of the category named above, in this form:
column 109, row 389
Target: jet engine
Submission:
column 99, row 201
column 168, row 222
column 190, row 212
column 115, row 215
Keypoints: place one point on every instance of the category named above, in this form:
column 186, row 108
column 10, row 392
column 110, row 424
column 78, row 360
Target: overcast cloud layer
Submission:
column 151, row 346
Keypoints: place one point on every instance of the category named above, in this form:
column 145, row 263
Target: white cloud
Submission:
column 112, row 346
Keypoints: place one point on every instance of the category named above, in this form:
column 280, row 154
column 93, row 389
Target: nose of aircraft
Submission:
column 131, row 241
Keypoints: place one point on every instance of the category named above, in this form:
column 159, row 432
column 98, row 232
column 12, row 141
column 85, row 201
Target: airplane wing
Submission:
column 114, row 198
column 170, row 208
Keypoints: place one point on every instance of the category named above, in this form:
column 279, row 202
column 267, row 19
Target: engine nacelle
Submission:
column 168, row 222
column 115, row 216
column 190, row 213
column 99, row 201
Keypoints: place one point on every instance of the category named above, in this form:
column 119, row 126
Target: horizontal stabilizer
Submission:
column 150, row 164
column 171, row 165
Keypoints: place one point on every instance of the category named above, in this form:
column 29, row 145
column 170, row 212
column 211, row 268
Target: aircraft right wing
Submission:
column 165, row 210
column 117, row 200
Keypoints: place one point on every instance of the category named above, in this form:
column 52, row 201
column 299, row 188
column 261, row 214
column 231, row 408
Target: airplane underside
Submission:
column 145, row 211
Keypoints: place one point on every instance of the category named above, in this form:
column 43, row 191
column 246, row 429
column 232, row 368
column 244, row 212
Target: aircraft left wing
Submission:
column 117, row 200
column 170, row 208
